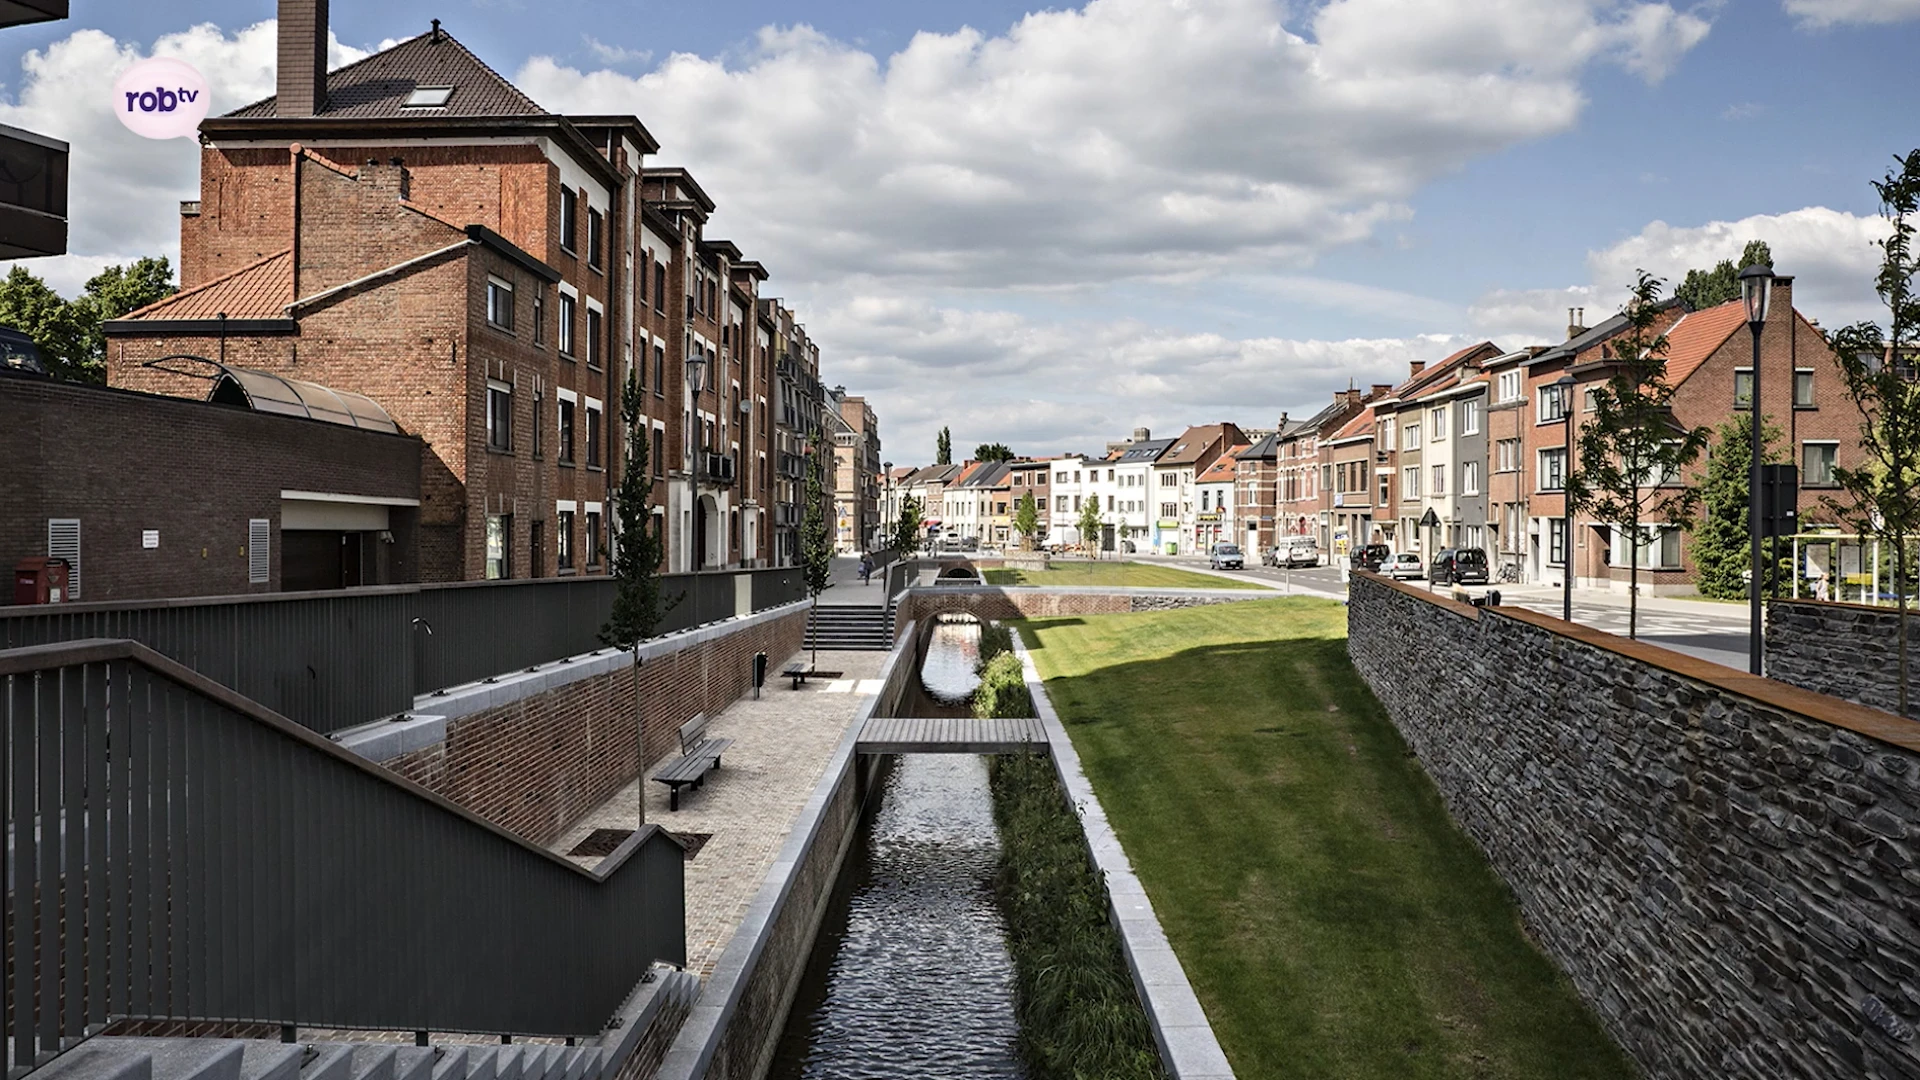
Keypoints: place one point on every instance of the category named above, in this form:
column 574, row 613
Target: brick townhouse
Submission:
column 1255, row 472
column 799, row 400
column 1172, row 490
column 1031, row 476
column 414, row 228
column 1303, row 479
column 1442, row 451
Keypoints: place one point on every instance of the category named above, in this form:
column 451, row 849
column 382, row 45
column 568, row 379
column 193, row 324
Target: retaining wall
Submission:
column 1724, row 865
column 996, row 602
column 533, row 750
column 1846, row 650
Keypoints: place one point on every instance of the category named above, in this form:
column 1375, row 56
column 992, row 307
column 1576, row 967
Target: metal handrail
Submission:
column 175, row 851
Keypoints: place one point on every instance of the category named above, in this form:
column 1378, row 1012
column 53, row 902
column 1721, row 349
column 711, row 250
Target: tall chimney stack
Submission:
column 1576, row 322
column 301, row 81
column 1415, row 367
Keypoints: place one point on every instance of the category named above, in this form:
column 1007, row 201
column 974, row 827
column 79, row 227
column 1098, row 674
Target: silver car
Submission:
column 1404, row 566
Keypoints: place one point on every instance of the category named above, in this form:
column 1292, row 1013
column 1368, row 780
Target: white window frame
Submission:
column 1437, row 424
column 1470, row 417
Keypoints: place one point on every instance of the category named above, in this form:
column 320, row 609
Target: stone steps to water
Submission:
column 862, row 629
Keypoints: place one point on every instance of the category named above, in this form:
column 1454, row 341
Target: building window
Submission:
column 1167, row 479
column 565, row 338
column 1169, row 510
column 1060, row 504
column 660, row 286
column 565, row 451
column 1507, row 455
column 1109, row 503
column 1410, row 482
column 593, row 436
column 1439, row 479
column 500, row 303
column 539, row 313
column 659, row 452
column 593, row 338
column 1803, row 388
column 563, row 540
column 1659, row 548
column 1588, row 398
column 1410, row 437
column 499, row 544
column 595, row 238
column 1386, row 489
column 1817, row 463
column 1556, row 541
column 1470, row 418
column 539, row 407
column 1509, row 386
column 499, row 415
column 1552, row 407
column 569, row 220
column 646, row 260
column 1469, row 478
column 1439, row 423
column 660, row 369
column 1743, row 388
column 593, row 538
column 1553, row 469
column 1076, row 503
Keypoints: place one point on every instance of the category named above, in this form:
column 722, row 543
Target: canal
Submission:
column 910, row 975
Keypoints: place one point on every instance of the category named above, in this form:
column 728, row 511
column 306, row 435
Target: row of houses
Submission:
column 414, row 231
column 1469, row 451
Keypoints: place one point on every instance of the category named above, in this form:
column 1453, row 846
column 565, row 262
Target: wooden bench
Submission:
column 798, row 673
column 698, row 754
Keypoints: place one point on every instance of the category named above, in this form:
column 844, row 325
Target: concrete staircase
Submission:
column 864, row 628
column 646, row 1025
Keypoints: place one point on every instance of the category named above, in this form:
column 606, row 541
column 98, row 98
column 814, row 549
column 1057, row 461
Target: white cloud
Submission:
column 1129, row 138
column 124, row 190
column 1819, row 14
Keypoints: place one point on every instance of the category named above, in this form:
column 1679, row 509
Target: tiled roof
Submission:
column 1222, row 468
column 378, row 85
column 1188, row 447
column 260, row 290
column 1146, row 450
column 1362, row 423
column 1263, row 450
column 1698, row 335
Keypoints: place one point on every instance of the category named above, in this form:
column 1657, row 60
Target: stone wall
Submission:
column 533, row 751
column 1846, row 650
column 1724, row 865
column 990, row 602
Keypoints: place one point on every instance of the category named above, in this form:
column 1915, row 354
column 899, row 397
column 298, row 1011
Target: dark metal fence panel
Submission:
column 471, row 631
column 175, row 854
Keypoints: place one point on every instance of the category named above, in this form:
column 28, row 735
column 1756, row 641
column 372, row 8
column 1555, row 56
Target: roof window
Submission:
column 428, row 97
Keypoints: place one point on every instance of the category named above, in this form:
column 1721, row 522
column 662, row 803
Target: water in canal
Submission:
column 910, row 976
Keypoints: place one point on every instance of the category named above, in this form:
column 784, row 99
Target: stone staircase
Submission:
column 864, row 628
column 644, row 1028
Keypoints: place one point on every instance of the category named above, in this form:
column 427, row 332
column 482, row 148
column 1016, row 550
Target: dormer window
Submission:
column 428, row 97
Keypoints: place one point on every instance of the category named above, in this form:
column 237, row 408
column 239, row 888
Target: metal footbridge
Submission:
column 950, row 735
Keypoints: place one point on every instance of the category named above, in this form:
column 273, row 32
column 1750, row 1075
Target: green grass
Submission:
column 1138, row 575
column 1333, row 920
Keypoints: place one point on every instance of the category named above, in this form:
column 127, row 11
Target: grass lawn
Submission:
column 1140, row 575
column 1332, row 919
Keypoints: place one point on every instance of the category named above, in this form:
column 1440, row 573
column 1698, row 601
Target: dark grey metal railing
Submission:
column 175, row 851
column 330, row 660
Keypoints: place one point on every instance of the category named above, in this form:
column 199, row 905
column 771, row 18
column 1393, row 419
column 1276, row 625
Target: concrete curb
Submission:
column 1187, row 1044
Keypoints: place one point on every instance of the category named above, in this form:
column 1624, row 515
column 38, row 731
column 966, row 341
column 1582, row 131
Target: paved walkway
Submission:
column 781, row 744
column 847, row 591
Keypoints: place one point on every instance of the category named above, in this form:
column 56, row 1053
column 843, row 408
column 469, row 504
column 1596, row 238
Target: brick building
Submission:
column 148, row 496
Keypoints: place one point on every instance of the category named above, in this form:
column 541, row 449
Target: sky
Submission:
column 1049, row 227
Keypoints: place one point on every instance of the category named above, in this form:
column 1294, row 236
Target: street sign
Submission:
column 1430, row 520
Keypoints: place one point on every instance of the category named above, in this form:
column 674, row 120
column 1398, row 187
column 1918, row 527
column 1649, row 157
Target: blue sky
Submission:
column 1135, row 211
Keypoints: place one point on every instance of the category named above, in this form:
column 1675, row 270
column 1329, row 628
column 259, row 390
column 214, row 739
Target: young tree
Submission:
column 1883, row 494
column 1026, row 521
column 1633, row 454
column 816, row 536
column 638, row 605
column 1709, row 288
column 943, row 447
column 992, row 452
column 1721, row 545
column 906, row 531
column 1089, row 524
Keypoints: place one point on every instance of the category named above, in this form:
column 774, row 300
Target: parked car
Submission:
column 1225, row 557
column 1462, row 566
column 1370, row 557
column 1294, row 551
column 1404, row 566
column 19, row 353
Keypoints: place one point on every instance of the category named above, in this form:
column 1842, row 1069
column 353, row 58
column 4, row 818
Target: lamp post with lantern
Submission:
column 1563, row 386
column 1756, row 288
column 697, row 383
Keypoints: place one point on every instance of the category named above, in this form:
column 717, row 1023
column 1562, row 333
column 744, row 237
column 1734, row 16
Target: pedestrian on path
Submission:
column 866, row 569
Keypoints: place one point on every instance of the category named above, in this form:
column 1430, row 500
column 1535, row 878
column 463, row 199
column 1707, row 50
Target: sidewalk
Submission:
column 781, row 745
column 847, row 591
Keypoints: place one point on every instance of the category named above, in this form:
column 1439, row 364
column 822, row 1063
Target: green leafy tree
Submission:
column 114, row 292
column 943, row 447
column 1026, row 521
column 28, row 305
column 1710, row 288
column 992, row 452
column 1089, row 525
column 1722, row 549
column 1633, row 454
column 638, row 603
column 906, row 530
column 816, row 536
column 1882, row 495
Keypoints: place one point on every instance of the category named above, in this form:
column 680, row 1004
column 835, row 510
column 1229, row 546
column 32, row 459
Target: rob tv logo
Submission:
column 161, row 98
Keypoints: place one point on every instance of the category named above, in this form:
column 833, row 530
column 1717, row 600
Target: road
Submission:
column 1715, row 632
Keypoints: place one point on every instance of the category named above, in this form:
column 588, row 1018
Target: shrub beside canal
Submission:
column 1079, row 1015
column 1002, row 692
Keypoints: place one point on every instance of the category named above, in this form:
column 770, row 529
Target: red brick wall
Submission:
column 535, row 766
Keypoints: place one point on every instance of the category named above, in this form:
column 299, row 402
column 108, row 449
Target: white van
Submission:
column 1295, row 551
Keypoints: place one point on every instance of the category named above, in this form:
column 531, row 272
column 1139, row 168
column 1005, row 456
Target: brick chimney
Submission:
column 1415, row 367
column 1379, row 390
column 1576, row 322
column 301, row 81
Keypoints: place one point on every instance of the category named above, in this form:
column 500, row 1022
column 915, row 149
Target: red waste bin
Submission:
column 40, row 581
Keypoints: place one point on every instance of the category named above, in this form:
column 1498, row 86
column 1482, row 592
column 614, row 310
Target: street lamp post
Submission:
column 696, row 382
column 1564, row 387
column 1756, row 288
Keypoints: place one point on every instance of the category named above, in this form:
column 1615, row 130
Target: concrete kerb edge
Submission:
column 426, row 723
column 1188, row 1047
column 693, row 1048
